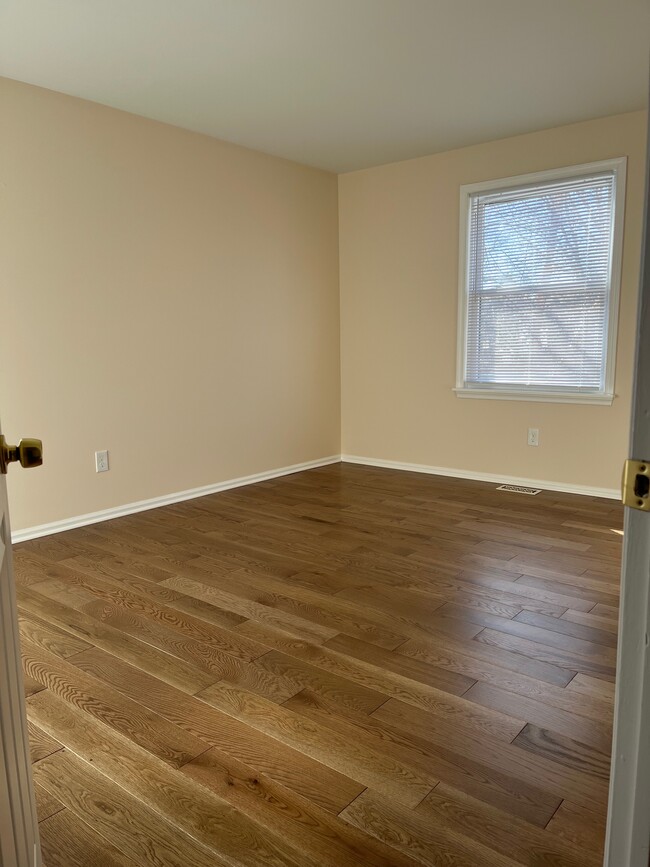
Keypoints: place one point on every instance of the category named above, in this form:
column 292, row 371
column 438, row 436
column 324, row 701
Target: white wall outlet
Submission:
column 533, row 436
column 101, row 462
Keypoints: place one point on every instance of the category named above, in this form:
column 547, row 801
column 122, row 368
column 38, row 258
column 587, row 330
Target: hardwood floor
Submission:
column 346, row 666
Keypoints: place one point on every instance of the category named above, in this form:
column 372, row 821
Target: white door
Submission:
column 18, row 823
column 628, row 832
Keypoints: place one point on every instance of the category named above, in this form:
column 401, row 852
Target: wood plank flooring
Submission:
column 346, row 666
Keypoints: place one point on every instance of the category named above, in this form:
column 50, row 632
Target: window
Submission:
column 539, row 274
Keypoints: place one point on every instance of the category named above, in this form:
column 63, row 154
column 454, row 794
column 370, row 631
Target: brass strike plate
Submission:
column 636, row 484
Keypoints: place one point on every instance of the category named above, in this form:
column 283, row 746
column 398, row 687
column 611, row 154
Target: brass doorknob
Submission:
column 29, row 453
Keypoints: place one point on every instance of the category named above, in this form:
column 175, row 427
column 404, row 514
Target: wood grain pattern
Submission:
column 606, row 624
column 594, row 732
column 365, row 674
column 409, row 832
column 448, row 709
column 292, row 769
column 66, row 841
column 405, row 666
column 591, row 686
column 46, row 804
column 94, row 590
column 565, row 750
column 49, row 637
column 134, row 829
column 343, row 666
column 580, row 826
column 306, row 826
column 437, row 760
column 510, row 837
column 337, row 689
column 336, row 614
column 554, row 777
column 603, row 666
column 577, row 627
column 119, row 644
column 40, row 744
column 180, row 800
column 160, row 737
column 31, row 686
column 492, row 648
column 372, row 768
column 252, row 610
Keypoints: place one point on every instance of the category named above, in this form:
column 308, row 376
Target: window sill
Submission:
column 534, row 396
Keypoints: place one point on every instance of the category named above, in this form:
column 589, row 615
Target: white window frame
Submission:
column 618, row 166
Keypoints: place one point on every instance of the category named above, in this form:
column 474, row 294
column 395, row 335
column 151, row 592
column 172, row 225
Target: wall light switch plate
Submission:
column 101, row 462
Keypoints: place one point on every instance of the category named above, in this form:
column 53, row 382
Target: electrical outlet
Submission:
column 101, row 462
column 533, row 436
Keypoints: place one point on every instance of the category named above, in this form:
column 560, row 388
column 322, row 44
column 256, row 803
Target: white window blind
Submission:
column 539, row 285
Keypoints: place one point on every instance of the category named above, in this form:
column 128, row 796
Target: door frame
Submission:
column 19, row 839
column 628, row 818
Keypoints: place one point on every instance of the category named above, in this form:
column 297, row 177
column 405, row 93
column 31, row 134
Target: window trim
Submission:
column 618, row 166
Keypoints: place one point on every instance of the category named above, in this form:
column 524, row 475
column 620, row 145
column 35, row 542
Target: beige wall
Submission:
column 164, row 295
column 174, row 299
column 399, row 284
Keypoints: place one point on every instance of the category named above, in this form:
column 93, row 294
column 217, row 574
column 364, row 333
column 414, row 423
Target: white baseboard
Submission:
column 166, row 500
column 585, row 490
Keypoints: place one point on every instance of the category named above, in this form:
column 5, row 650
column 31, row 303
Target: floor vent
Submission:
column 518, row 489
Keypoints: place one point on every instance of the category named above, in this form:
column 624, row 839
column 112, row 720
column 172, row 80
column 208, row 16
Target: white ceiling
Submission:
column 340, row 84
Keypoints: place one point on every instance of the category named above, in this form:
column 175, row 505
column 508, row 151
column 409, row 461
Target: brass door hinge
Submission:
column 636, row 484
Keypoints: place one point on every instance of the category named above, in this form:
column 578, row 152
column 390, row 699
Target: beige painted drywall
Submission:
column 399, row 282
column 163, row 295
column 174, row 299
